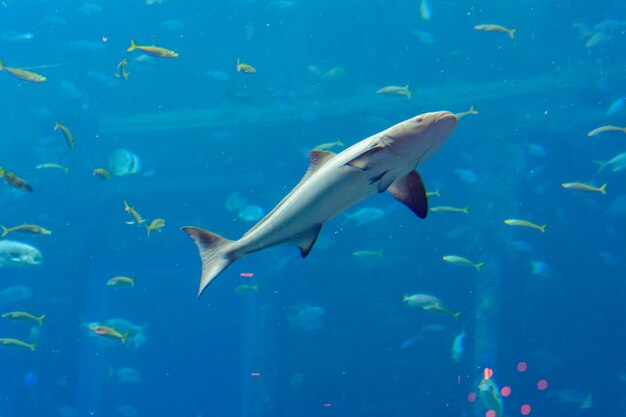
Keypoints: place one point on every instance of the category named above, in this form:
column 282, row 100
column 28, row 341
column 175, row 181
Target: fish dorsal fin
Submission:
column 317, row 159
column 410, row 191
column 308, row 239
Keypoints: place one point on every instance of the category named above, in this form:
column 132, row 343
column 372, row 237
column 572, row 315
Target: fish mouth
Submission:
column 440, row 129
column 446, row 120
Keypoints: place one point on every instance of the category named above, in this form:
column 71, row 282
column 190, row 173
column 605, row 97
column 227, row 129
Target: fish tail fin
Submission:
column 543, row 228
column 479, row 265
column 603, row 189
column 457, row 315
column 466, row 209
column 32, row 346
column 2, row 171
column 238, row 64
column 213, row 252
column 405, row 297
column 57, row 126
column 472, row 110
column 409, row 93
column 381, row 253
column 5, row 230
column 132, row 46
column 512, row 33
column 1, row 65
column 147, row 228
column 340, row 142
column 125, row 336
column 40, row 319
column 66, row 169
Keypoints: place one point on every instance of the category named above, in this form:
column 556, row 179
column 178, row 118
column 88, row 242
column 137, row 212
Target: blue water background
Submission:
column 543, row 88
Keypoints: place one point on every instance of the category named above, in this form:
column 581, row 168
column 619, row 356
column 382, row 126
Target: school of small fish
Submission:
column 301, row 317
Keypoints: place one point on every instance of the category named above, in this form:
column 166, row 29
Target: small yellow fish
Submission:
column 459, row 260
column 102, row 173
column 435, row 193
column 53, row 166
column 447, row 209
column 608, row 128
column 121, row 69
column 108, row 332
column 23, row 315
column 496, row 28
column 525, row 223
column 329, row 145
column 241, row 67
column 395, row 90
column 121, row 281
column 244, row 288
column 133, row 213
column 69, row 138
column 368, row 254
column 152, row 50
column 23, row 74
column 472, row 110
column 584, row 187
column 12, row 179
column 156, row 224
column 26, row 228
column 18, row 343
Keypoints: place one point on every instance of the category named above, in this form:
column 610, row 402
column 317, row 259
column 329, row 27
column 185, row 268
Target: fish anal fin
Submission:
column 214, row 254
column 308, row 239
column 364, row 161
column 410, row 191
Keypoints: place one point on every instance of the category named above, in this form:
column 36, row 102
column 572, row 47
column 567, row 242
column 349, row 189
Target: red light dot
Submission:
column 505, row 391
column 542, row 385
column 488, row 373
column 490, row 413
column 471, row 397
column 246, row 274
column 522, row 366
column 525, row 409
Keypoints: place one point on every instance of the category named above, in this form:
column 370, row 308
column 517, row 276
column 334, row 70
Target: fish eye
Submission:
column 419, row 119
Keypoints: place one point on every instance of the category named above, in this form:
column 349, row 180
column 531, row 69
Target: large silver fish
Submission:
column 14, row 253
column 333, row 183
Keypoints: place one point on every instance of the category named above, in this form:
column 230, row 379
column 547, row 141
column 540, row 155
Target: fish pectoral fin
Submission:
column 364, row 161
column 308, row 239
column 410, row 191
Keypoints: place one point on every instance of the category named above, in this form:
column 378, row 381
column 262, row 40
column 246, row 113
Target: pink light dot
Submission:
column 522, row 366
column 525, row 409
column 328, row 405
column 505, row 391
column 255, row 374
column 471, row 397
column 490, row 413
column 246, row 274
column 542, row 385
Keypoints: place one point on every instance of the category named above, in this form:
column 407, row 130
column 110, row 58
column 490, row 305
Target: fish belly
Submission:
column 312, row 205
